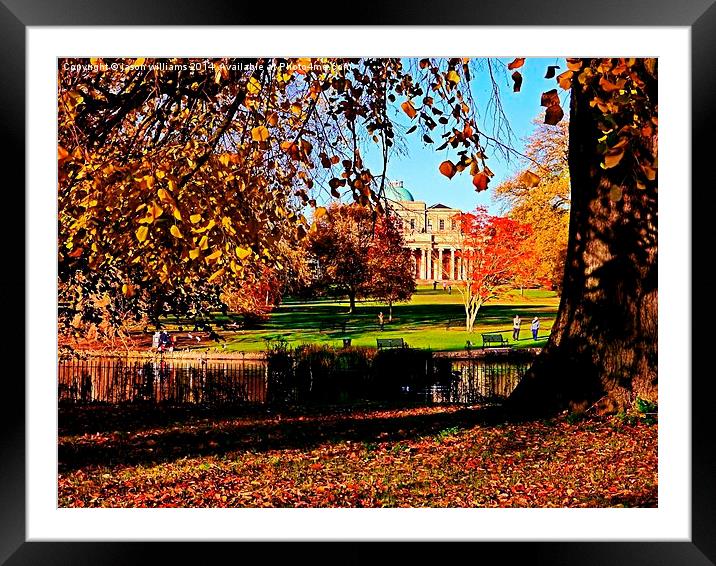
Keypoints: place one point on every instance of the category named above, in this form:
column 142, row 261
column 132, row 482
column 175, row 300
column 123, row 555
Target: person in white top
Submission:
column 535, row 328
column 516, row 327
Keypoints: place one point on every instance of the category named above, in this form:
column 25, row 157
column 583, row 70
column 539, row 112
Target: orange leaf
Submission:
column 607, row 86
column 447, row 168
column 565, row 79
column 517, row 63
column 480, row 181
column 530, row 179
column 613, row 157
column 259, row 133
column 409, row 109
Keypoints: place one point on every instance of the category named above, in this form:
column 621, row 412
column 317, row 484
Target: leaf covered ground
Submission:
column 352, row 457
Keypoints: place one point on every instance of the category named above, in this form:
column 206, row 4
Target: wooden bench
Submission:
column 390, row 343
column 489, row 339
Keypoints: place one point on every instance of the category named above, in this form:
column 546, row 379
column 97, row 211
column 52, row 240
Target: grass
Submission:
column 421, row 321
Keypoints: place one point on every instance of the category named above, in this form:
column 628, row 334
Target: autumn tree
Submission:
column 173, row 172
column 603, row 346
column 494, row 252
column 177, row 170
column 391, row 265
column 360, row 254
column 542, row 201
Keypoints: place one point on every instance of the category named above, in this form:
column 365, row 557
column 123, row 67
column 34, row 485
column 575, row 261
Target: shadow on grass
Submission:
column 109, row 436
column 309, row 317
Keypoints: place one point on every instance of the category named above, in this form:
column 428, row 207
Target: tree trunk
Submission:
column 603, row 347
column 390, row 311
column 352, row 299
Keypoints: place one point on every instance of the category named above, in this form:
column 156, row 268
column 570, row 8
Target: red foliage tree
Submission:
column 360, row 253
column 494, row 254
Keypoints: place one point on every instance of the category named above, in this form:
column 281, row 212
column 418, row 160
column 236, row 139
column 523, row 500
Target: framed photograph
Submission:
column 322, row 286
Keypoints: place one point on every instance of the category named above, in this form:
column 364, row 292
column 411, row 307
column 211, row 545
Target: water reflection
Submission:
column 160, row 379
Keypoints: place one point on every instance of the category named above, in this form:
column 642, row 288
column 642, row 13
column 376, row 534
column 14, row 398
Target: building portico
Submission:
column 432, row 233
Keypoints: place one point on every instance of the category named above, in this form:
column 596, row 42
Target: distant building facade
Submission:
column 431, row 233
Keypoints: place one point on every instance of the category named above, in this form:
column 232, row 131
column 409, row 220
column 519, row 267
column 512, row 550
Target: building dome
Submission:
column 396, row 191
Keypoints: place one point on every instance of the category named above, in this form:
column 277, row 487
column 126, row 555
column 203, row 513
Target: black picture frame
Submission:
column 16, row 15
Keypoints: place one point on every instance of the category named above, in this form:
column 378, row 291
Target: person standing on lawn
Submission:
column 535, row 328
column 516, row 327
column 380, row 319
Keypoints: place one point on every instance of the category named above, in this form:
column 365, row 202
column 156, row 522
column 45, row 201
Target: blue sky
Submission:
column 419, row 169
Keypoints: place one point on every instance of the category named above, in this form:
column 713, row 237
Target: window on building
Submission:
column 412, row 223
column 452, row 225
column 442, row 225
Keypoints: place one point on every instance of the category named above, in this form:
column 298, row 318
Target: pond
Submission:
column 165, row 379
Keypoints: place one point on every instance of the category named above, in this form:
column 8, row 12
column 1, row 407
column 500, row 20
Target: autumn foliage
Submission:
column 360, row 253
column 495, row 252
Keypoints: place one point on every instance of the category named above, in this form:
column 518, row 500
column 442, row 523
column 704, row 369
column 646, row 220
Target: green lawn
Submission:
column 421, row 322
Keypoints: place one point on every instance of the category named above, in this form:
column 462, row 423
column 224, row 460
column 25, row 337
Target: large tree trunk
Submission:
column 352, row 300
column 603, row 347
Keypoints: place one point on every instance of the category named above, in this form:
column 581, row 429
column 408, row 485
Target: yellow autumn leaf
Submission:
column 164, row 196
column 175, row 231
column 177, row 213
column 204, row 243
column 139, row 61
column 253, row 86
column 195, row 218
column 141, row 233
column 213, row 256
column 453, row 77
column 193, row 254
column 215, row 275
column 259, row 133
column 206, row 228
column 242, row 253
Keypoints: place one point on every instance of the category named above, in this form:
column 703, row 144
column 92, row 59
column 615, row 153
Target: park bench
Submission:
column 390, row 343
column 489, row 339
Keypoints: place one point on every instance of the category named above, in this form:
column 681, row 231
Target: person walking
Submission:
column 380, row 319
column 435, row 285
column 535, row 328
column 516, row 327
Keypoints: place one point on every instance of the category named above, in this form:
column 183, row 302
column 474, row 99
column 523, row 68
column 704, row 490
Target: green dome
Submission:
column 396, row 191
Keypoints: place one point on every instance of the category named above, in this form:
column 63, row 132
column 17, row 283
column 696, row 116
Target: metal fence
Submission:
column 127, row 380
column 477, row 379
column 117, row 380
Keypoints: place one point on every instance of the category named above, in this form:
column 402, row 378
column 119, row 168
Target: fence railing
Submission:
column 127, row 380
column 417, row 375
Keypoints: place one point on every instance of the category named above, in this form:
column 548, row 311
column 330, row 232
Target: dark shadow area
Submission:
column 168, row 434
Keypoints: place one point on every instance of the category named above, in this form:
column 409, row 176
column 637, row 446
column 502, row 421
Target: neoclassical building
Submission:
column 432, row 233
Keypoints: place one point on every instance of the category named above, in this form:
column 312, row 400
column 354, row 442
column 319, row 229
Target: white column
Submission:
column 440, row 264
column 452, row 264
column 429, row 252
column 423, row 261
